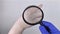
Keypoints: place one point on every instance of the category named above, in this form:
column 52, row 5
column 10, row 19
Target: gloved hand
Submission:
column 53, row 29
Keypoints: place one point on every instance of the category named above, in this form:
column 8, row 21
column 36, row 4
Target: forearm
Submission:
column 17, row 27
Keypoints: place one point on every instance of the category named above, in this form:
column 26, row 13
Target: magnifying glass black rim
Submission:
column 40, row 22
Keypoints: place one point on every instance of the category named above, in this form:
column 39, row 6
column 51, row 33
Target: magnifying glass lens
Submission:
column 33, row 15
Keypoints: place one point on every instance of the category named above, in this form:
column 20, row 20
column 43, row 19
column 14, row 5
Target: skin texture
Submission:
column 20, row 25
column 33, row 15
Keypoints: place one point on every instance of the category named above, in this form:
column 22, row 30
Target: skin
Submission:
column 20, row 26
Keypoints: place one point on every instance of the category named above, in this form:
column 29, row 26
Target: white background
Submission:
column 12, row 9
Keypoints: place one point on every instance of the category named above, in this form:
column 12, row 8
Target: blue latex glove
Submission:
column 52, row 28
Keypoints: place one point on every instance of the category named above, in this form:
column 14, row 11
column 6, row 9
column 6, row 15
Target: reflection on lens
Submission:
column 33, row 15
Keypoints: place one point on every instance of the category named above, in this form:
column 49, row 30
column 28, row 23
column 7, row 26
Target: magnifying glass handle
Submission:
column 47, row 28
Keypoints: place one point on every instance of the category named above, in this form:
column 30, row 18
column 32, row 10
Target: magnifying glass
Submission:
column 33, row 15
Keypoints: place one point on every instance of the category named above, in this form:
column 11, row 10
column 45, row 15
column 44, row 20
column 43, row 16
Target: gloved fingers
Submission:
column 51, row 26
column 43, row 30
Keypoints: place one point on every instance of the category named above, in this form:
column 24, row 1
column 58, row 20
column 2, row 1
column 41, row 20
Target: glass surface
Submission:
column 33, row 15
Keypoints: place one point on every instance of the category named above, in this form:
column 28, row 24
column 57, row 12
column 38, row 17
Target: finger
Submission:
column 51, row 26
column 43, row 30
column 41, row 5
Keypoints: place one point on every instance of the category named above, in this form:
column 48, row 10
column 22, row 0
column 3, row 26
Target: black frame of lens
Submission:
column 40, row 22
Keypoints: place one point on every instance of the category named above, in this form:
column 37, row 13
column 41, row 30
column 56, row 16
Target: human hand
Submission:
column 53, row 29
column 20, row 25
column 30, row 16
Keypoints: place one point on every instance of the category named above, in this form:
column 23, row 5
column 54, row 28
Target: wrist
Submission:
column 19, row 27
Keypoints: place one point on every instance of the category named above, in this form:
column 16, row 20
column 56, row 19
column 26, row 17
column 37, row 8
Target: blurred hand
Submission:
column 53, row 29
column 20, row 25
